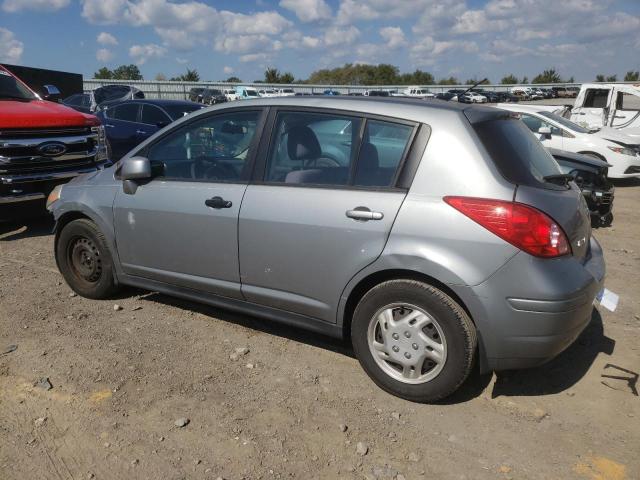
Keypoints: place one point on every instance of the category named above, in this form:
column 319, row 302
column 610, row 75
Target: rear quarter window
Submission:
column 518, row 154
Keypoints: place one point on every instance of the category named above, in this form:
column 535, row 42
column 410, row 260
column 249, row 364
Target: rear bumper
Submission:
column 532, row 309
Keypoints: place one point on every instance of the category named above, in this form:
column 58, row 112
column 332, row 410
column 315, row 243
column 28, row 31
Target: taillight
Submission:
column 521, row 225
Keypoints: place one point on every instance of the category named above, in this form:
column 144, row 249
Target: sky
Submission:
column 463, row 38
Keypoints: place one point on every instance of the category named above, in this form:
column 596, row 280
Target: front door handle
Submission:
column 108, row 125
column 218, row 203
column 141, row 132
column 363, row 214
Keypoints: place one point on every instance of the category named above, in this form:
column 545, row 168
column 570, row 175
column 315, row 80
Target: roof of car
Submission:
column 424, row 111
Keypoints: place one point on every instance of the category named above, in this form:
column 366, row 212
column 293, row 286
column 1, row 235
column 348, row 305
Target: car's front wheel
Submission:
column 413, row 340
column 84, row 259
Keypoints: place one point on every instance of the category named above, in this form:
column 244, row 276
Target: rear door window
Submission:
column 152, row 115
column 518, row 154
column 382, row 150
column 127, row 112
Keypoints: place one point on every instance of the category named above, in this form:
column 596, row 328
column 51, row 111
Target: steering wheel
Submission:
column 204, row 168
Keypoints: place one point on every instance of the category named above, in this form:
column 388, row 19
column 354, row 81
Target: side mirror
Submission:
column 545, row 132
column 133, row 169
column 51, row 93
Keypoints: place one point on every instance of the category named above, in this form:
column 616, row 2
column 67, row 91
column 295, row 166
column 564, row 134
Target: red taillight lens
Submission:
column 521, row 225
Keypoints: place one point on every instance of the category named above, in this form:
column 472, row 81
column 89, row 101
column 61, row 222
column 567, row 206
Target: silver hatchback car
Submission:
column 431, row 234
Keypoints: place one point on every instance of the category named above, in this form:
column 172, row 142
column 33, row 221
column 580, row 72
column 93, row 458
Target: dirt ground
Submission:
column 296, row 405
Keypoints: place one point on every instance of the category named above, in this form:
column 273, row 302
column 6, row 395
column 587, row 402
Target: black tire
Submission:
column 456, row 326
column 84, row 260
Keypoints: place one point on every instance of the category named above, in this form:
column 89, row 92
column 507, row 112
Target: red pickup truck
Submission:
column 42, row 144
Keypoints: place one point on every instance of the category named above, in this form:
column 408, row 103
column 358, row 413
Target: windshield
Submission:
column 564, row 122
column 11, row 88
column 179, row 111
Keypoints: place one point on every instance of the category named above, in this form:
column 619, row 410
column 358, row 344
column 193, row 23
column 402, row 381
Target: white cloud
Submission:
column 228, row 70
column 10, row 47
column 105, row 38
column 13, row 6
column 476, row 21
column 269, row 23
column 311, row 42
column 340, row 36
column 104, row 55
column 254, row 57
column 308, row 10
column 394, row 36
column 142, row 53
column 103, row 12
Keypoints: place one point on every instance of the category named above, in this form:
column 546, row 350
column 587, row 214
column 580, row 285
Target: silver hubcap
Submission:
column 407, row 343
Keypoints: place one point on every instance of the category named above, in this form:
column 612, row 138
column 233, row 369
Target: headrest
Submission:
column 368, row 157
column 302, row 144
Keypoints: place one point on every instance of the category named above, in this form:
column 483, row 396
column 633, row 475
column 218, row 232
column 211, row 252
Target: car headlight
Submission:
column 623, row 150
column 54, row 196
column 99, row 131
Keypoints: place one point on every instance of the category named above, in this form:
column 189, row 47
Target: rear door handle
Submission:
column 218, row 203
column 141, row 132
column 364, row 214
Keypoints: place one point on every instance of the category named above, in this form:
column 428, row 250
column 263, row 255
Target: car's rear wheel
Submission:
column 84, row 260
column 413, row 340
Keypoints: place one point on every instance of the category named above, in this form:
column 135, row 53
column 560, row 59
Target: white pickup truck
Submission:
column 614, row 105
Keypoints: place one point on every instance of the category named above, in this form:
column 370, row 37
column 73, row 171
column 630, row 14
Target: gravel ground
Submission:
column 160, row 388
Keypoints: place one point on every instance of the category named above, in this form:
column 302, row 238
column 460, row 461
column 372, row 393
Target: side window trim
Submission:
column 405, row 171
column 249, row 164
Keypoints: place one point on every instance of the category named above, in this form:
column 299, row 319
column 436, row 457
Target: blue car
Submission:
column 129, row 123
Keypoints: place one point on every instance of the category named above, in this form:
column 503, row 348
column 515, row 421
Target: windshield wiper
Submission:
column 565, row 177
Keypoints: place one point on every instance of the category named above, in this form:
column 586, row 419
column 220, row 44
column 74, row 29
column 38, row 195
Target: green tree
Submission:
column 161, row 77
column 599, row 78
column 418, row 77
column 510, row 79
column 233, row 80
column 127, row 72
column 612, row 78
column 271, row 75
column 525, row 79
column 189, row 76
column 286, row 77
column 548, row 76
column 449, row 81
column 473, row 81
column 632, row 76
column 103, row 74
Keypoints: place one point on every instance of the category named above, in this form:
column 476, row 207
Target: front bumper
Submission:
column 532, row 309
column 31, row 190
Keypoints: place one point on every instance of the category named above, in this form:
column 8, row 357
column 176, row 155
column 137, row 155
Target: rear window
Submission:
column 517, row 153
